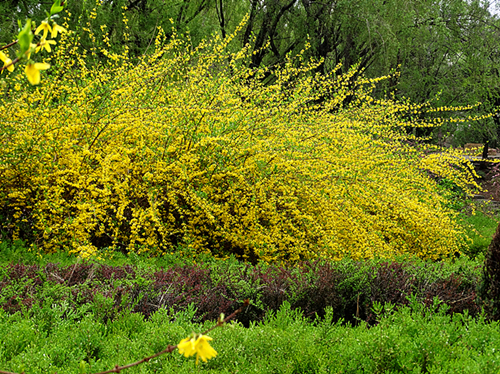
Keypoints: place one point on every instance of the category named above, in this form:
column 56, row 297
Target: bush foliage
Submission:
column 53, row 338
column 349, row 288
column 188, row 147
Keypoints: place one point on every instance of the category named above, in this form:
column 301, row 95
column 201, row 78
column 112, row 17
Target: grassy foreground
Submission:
column 54, row 336
column 410, row 340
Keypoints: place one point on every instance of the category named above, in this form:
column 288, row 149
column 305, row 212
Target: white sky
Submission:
column 495, row 7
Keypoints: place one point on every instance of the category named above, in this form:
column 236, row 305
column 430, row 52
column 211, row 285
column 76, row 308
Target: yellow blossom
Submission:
column 6, row 61
column 33, row 71
column 298, row 183
column 199, row 346
column 45, row 44
column 45, row 27
column 56, row 28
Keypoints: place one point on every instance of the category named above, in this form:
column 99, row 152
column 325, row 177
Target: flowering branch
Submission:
column 17, row 59
column 171, row 348
column 26, row 48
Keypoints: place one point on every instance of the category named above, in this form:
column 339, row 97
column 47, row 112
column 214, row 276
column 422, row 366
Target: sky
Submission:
column 495, row 7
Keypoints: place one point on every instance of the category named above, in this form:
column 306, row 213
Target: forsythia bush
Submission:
column 188, row 147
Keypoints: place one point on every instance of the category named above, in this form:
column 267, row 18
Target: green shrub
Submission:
column 411, row 339
column 188, row 149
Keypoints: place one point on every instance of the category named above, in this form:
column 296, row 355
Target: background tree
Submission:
column 445, row 52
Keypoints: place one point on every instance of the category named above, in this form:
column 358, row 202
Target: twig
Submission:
column 8, row 45
column 246, row 303
column 171, row 348
column 16, row 60
column 117, row 368
column 11, row 63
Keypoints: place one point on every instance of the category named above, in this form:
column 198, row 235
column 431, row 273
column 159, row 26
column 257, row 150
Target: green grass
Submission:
column 49, row 340
column 480, row 228
column 55, row 337
column 19, row 252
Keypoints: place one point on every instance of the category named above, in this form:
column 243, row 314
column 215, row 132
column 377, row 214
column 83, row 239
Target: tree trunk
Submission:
column 491, row 278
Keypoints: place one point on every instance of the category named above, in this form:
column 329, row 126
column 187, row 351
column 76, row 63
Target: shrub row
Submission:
column 350, row 288
column 188, row 147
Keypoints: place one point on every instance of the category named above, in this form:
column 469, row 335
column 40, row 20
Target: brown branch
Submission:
column 12, row 63
column 170, row 348
column 8, row 45
column 117, row 368
column 15, row 61
column 229, row 317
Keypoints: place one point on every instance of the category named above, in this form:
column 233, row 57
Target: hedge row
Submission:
column 350, row 288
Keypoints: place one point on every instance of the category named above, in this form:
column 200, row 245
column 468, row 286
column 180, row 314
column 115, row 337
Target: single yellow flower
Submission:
column 200, row 346
column 6, row 61
column 45, row 44
column 33, row 71
column 203, row 349
column 45, row 27
column 55, row 29
column 186, row 347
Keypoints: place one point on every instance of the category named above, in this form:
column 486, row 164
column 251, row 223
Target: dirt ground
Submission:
column 490, row 182
column 491, row 190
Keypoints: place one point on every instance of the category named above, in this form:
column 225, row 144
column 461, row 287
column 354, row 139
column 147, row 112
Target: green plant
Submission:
column 223, row 166
column 480, row 228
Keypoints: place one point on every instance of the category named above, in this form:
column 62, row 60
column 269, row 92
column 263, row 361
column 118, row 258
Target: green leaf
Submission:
column 56, row 7
column 83, row 367
column 24, row 38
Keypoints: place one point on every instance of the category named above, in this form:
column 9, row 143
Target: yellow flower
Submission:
column 45, row 44
column 186, row 347
column 33, row 71
column 6, row 61
column 189, row 346
column 45, row 27
column 33, row 47
column 56, row 28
